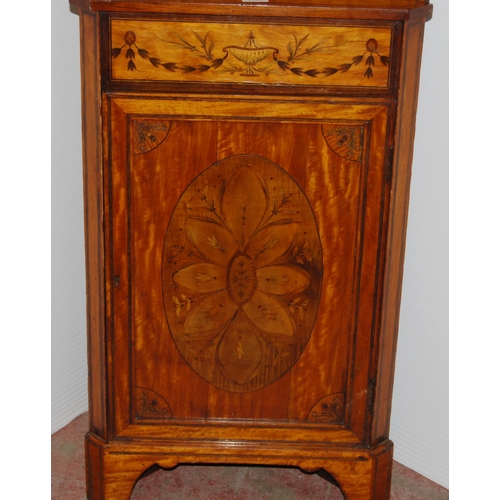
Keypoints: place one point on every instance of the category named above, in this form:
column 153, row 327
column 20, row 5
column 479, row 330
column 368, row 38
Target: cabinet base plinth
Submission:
column 113, row 468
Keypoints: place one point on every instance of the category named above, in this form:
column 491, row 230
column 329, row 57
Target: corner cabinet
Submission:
column 246, row 177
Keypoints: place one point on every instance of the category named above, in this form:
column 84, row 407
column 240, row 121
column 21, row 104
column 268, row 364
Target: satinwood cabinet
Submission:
column 246, row 177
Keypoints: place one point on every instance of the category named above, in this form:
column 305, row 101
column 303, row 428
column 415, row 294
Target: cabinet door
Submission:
column 245, row 239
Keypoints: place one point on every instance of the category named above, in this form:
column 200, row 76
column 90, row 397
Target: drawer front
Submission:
column 259, row 54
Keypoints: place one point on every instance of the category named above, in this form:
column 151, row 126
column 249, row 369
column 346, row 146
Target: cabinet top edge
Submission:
column 342, row 9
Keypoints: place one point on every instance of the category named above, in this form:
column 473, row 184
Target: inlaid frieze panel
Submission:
column 262, row 54
column 242, row 259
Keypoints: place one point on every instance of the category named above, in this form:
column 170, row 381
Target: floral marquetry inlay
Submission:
column 149, row 135
column 242, row 271
column 328, row 410
column 345, row 140
column 149, row 404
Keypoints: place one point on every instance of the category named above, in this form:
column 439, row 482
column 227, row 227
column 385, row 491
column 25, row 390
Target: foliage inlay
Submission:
column 345, row 140
column 149, row 404
column 149, row 135
column 328, row 410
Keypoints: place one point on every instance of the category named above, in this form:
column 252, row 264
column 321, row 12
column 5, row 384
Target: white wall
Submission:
column 419, row 424
column 69, row 351
column 420, row 407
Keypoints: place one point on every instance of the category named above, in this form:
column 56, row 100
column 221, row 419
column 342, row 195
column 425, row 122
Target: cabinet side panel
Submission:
column 92, row 178
column 93, row 469
column 382, row 473
column 398, row 216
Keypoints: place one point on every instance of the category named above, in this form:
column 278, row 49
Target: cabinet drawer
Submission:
column 250, row 53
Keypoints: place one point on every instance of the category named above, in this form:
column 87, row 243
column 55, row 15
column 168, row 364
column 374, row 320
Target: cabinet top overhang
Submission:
column 340, row 9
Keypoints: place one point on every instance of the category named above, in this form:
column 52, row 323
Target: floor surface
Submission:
column 221, row 482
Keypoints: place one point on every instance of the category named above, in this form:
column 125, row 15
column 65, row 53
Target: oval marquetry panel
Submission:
column 242, row 264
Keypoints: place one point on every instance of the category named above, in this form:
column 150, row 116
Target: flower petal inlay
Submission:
column 213, row 241
column 239, row 352
column 270, row 243
column 201, row 277
column 269, row 314
column 244, row 203
column 210, row 314
column 281, row 280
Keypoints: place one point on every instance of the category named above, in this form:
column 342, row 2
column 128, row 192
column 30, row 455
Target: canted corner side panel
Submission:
column 250, row 53
column 397, row 223
column 94, row 467
column 183, row 225
column 93, row 185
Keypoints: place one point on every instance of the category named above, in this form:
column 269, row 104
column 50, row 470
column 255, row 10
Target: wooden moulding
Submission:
column 93, row 185
column 333, row 9
column 362, row 474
